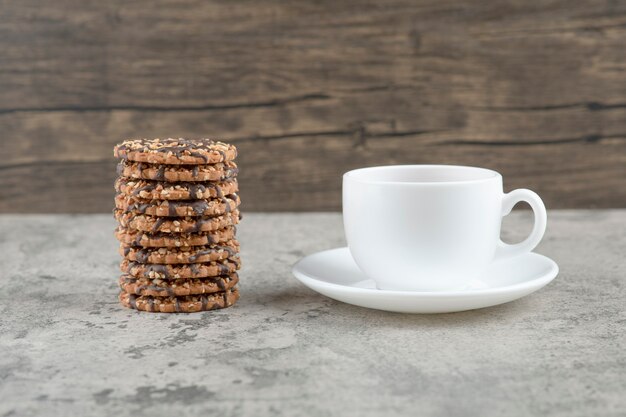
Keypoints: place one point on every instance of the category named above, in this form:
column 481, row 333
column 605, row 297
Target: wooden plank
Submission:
column 193, row 53
column 310, row 90
column 297, row 171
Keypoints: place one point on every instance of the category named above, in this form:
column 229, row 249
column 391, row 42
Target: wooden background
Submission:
column 310, row 89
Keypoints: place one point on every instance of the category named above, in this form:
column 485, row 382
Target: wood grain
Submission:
column 309, row 90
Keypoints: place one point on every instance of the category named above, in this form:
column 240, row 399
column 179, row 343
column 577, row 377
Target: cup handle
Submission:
column 509, row 200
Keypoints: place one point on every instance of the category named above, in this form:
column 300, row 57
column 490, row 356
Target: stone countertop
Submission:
column 68, row 348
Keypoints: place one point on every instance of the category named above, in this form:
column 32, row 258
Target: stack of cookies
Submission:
column 177, row 207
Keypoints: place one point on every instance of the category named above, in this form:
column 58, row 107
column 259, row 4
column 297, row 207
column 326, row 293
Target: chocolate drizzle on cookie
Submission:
column 142, row 256
column 160, row 174
column 175, row 191
column 136, row 223
column 174, row 208
column 151, row 303
column 189, row 255
column 200, row 253
column 175, row 288
column 182, row 304
column 137, row 270
column 224, row 269
column 165, row 239
column 174, row 174
column 158, row 223
column 195, row 269
column 179, row 148
column 147, row 187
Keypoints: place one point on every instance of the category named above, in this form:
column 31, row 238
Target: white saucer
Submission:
column 334, row 274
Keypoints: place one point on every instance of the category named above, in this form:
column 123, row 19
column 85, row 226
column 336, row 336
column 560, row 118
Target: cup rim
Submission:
column 353, row 175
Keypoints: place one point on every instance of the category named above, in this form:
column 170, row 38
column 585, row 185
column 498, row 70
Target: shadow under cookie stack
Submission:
column 177, row 207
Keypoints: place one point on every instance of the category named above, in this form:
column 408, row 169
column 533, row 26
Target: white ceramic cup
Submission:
column 430, row 227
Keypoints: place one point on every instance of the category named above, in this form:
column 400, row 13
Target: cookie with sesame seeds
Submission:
column 173, row 151
column 181, row 255
column 159, row 190
column 177, row 173
column 178, row 208
column 177, row 288
column 186, row 304
column 199, row 270
column 154, row 224
column 129, row 237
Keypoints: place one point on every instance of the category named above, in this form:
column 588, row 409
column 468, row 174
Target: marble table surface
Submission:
column 68, row 348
